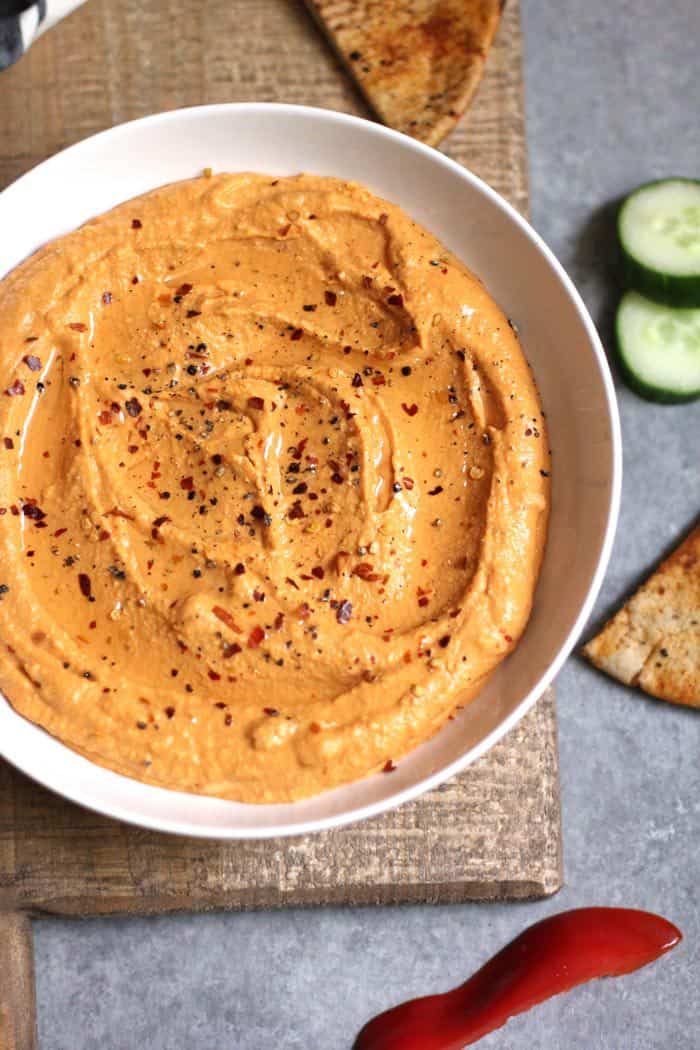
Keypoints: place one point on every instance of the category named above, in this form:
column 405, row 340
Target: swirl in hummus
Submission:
column 274, row 486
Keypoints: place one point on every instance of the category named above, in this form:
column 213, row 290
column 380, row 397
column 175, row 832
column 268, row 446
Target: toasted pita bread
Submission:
column 417, row 62
column 654, row 640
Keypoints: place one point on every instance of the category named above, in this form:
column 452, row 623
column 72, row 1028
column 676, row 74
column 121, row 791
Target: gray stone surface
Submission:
column 612, row 99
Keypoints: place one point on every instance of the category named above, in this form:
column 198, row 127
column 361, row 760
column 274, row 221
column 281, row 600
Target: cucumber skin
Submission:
column 682, row 290
column 659, row 395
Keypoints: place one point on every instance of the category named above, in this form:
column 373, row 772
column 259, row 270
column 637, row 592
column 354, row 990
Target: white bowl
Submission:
column 558, row 337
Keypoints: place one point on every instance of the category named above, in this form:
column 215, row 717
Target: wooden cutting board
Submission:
column 493, row 832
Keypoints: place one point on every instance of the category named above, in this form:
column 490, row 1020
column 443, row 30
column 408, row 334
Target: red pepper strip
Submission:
column 548, row 958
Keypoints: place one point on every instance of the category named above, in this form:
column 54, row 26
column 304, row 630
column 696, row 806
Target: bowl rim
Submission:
column 363, row 812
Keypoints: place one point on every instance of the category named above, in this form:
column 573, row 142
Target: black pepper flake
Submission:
column 32, row 362
column 106, row 298
column 136, row 224
column 300, row 489
column 357, row 380
column 3, row 589
column 192, row 370
column 406, row 370
column 133, row 407
column 436, row 491
column 444, row 641
column 239, row 569
column 31, row 510
column 344, row 612
column 331, row 298
column 545, row 473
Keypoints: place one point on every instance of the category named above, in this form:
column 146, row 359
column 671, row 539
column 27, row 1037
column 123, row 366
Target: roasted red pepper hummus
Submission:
column 274, row 486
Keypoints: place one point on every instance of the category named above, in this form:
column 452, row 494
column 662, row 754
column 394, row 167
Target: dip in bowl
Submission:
column 314, row 644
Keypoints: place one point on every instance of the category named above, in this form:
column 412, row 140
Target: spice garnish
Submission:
column 226, row 618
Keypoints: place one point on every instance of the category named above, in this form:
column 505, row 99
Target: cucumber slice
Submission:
column 659, row 348
column 659, row 232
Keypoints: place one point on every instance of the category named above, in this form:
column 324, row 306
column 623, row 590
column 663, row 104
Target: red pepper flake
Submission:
column 331, row 298
column 410, row 410
column 304, row 611
column 225, row 617
column 231, row 649
column 257, row 403
column 16, row 389
column 31, row 510
column 214, row 676
column 388, row 766
column 423, row 601
column 184, row 289
column 133, row 407
column 271, row 712
column 59, row 532
column 284, row 230
column 296, row 510
column 136, row 224
column 379, row 380
column 32, row 362
column 279, row 620
column 161, row 521
column 366, row 572
column 318, row 572
column 169, row 712
column 105, row 417
column 296, row 334
column 344, row 612
column 383, row 219
column 228, row 719
column 132, row 449
column 315, row 727
column 407, row 483
column 84, row 584
column 8, row 443
column 106, row 298
column 187, row 483
column 367, row 282
column 256, row 636
column 299, row 450
column 395, row 300
column 193, row 313
column 103, row 535
column 291, row 582
column 507, row 637
column 78, row 326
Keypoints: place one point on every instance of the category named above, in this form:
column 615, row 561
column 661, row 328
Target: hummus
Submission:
column 274, row 486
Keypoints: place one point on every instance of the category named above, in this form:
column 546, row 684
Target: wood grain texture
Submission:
column 492, row 832
column 17, row 997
